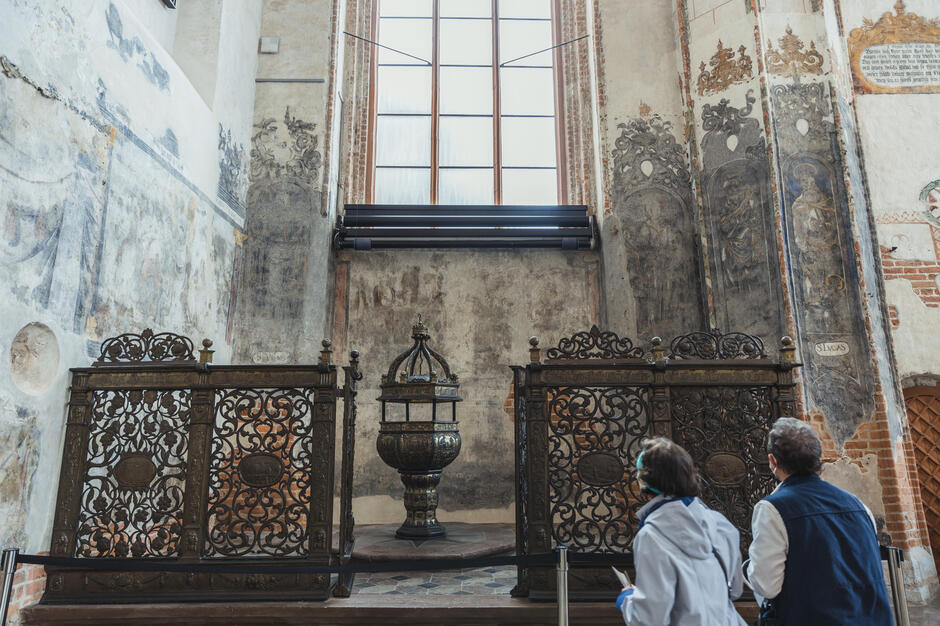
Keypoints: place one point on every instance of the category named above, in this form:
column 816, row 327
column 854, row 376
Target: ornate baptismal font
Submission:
column 419, row 381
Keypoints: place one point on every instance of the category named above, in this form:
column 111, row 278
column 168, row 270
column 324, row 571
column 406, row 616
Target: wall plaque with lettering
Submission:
column 900, row 53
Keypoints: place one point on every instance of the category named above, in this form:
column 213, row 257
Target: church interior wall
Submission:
column 148, row 180
column 122, row 199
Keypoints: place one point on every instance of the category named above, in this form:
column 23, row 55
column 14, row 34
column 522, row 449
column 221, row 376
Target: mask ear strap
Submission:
column 646, row 485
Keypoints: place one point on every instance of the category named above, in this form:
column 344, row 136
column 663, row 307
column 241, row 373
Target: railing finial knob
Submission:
column 534, row 352
column 326, row 354
column 205, row 354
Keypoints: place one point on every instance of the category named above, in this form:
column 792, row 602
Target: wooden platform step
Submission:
column 362, row 609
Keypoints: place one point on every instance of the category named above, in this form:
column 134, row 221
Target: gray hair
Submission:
column 795, row 445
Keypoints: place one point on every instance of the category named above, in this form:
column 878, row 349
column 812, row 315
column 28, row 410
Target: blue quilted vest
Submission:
column 833, row 572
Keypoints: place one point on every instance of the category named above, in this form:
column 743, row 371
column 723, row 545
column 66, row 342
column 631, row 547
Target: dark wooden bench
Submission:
column 374, row 226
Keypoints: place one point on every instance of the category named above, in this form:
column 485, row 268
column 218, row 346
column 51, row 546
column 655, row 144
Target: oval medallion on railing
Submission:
column 600, row 469
column 723, row 468
column 260, row 469
column 134, row 471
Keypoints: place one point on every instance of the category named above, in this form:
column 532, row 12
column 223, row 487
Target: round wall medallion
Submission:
column 600, row 469
column 34, row 359
column 260, row 469
column 134, row 471
column 727, row 469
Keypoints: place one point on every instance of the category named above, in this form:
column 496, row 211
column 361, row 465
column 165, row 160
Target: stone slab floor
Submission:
column 488, row 581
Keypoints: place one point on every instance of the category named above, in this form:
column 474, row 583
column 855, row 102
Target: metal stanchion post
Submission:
column 9, row 569
column 897, row 587
column 562, row 585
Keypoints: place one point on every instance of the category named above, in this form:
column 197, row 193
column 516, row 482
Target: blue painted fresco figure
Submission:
column 687, row 556
column 815, row 557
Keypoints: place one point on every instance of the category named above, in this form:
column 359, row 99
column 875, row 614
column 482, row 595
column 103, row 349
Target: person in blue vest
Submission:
column 814, row 558
column 687, row 556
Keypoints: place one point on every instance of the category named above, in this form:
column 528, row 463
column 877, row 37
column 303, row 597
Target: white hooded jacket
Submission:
column 679, row 579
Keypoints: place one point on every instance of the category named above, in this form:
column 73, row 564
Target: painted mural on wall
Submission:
column 724, row 70
column 53, row 178
column 793, row 58
column 899, row 53
column 739, row 221
column 233, row 171
column 651, row 194
column 19, row 458
column 823, row 272
column 283, row 204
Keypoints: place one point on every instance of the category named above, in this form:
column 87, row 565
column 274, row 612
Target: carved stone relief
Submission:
column 824, row 276
column 651, row 194
column 34, row 359
column 739, row 210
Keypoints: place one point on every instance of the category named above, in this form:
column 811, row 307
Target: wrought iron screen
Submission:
column 582, row 414
column 169, row 458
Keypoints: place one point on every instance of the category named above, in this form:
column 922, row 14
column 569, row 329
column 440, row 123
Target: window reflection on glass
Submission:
column 444, row 149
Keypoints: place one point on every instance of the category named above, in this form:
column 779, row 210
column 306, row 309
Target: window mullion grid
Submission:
column 497, row 143
column 561, row 139
column 435, row 96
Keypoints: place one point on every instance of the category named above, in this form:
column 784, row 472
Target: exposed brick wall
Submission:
column 922, row 274
column 905, row 521
column 893, row 317
column 29, row 583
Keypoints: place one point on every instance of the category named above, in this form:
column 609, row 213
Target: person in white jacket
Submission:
column 687, row 556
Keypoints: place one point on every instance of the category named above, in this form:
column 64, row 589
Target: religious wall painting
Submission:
column 826, row 288
column 20, row 440
column 54, row 201
column 724, row 69
column 930, row 196
column 651, row 193
column 738, row 206
column 898, row 53
column 233, row 170
column 793, row 59
column 290, row 154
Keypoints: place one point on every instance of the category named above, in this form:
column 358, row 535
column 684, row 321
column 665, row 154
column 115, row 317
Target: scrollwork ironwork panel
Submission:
column 134, row 482
column 595, row 344
column 725, row 430
column 717, row 345
column 260, row 473
column 146, row 346
column 594, row 438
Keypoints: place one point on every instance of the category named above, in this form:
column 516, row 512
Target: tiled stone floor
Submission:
column 488, row 581
column 926, row 615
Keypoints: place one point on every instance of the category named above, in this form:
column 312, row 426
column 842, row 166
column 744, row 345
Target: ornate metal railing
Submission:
column 170, row 458
column 582, row 414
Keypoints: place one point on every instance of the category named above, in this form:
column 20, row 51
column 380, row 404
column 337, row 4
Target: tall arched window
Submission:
column 457, row 119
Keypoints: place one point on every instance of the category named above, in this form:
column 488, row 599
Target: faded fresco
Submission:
column 651, row 197
column 283, row 218
column 739, row 212
column 825, row 280
column 19, row 459
column 480, row 317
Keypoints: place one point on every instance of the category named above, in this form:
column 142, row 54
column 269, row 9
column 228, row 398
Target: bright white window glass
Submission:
column 528, row 141
column 411, row 36
column 518, row 38
column 405, row 8
column 466, row 90
column 465, row 187
column 530, row 187
column 402, row 186
column 466, row 42
column 527, row 91
column 403, row 140
column 466, row 141
column 404, row 89
column 466, row 8
column 525, row 8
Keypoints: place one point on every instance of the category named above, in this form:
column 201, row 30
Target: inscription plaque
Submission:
column 600, row 469
column 134, row 471
column 831, row 348
column 915, row 64
column 725, row 469
column 260, row 469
